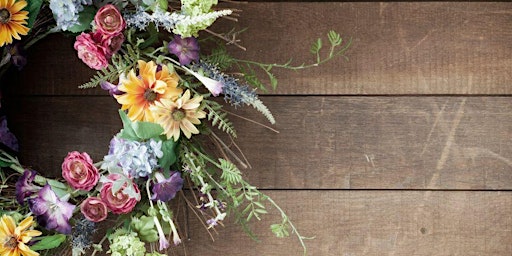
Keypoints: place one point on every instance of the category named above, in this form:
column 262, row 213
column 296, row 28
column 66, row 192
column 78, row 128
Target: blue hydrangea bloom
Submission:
column 66, row 12
column 134, row 158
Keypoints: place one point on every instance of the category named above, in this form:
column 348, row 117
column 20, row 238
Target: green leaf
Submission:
column 33, row 7
column 334, row 38
column 315, row 48
column 85, row 18
column 4, row 163
column 280, row 230
column 169, row 156
column 58, row 187
column 146, row 130
column 127, row 132
column 48, row 242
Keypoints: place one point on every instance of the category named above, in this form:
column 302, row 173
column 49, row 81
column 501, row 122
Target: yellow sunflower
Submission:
column 153, row 84
column 13, row 239
column 180, row 114
column 12, row 20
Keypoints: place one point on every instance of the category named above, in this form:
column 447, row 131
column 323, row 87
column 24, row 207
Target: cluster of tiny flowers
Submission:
column 141, row 19
column 181, row 24
column 82, row 234
column 126, row 243
column 235, row 93
column 137, row 159
column 66, row 12
column 188, row 26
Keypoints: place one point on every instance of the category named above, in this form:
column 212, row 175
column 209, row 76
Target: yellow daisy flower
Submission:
column 13, row 239
column 12, row 20
column 150, row 86
column 177, row 115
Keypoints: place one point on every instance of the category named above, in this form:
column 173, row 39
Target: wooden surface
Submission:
column 405, row 149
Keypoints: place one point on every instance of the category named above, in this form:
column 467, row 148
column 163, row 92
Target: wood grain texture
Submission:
column 347, row 223
column 381, row 155
column 424, row 48
column 324, row 142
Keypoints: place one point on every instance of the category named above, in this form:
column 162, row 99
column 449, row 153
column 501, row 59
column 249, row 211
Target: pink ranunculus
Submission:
column 79, row 171
column 111, row 44
column 94, row 209
column 91, row 52
column 109, row 20
column 118, row 202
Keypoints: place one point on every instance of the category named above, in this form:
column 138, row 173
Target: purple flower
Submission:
column 25, row 186
column 17, row 56
column 111, row 88
column 166, row 189
column 187, row 49
column 6, row 136
column 51, row 212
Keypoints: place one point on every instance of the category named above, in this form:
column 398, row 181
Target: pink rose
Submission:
column 94, row 209
column 79, row 171
column 91, row 52
column 118, row 202
column 109, row 20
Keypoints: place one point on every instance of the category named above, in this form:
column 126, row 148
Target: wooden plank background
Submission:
column 405, row 149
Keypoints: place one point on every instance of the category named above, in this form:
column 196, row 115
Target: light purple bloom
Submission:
column 111, row 88
column 214, row 86
column 51, row 212
column 25, row 186
column 211, row 222
column 6, row 136
column 166, row 189
column 187, row 49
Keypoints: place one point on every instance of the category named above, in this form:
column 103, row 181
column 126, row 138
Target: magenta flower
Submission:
column 187, row 49
column 51, row 212
column 166, row 189
column 25, row 186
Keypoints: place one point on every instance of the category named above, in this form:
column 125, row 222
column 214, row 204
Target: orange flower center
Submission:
column 150, row 95
column 11, row 243
column 178, row 115
column 5, row 16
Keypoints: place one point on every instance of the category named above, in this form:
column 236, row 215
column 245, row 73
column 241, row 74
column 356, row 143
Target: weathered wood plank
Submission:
column 324, row 142
column 398, row 48
column 373, row 223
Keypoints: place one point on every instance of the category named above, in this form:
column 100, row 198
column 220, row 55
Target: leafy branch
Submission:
column 239, row 193
column 336, row 49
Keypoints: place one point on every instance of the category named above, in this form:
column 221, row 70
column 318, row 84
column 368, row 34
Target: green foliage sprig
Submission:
column 336, row 49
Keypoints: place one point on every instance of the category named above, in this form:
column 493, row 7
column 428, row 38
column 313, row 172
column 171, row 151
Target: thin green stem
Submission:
column 294, row 229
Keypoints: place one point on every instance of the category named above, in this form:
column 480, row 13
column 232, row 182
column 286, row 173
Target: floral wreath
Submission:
column 148, row 58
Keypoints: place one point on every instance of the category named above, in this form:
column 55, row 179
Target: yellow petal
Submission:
column 7, row 225
column 18, row 6
column 26, row 251
column 26, row 223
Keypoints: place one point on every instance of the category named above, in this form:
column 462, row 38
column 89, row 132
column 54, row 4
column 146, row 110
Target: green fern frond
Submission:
column 220, row 58
column 258, row 105
column 252, row 78
column 219, row 118
column 120, row 64
column 109, row 73
column 230, row 173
